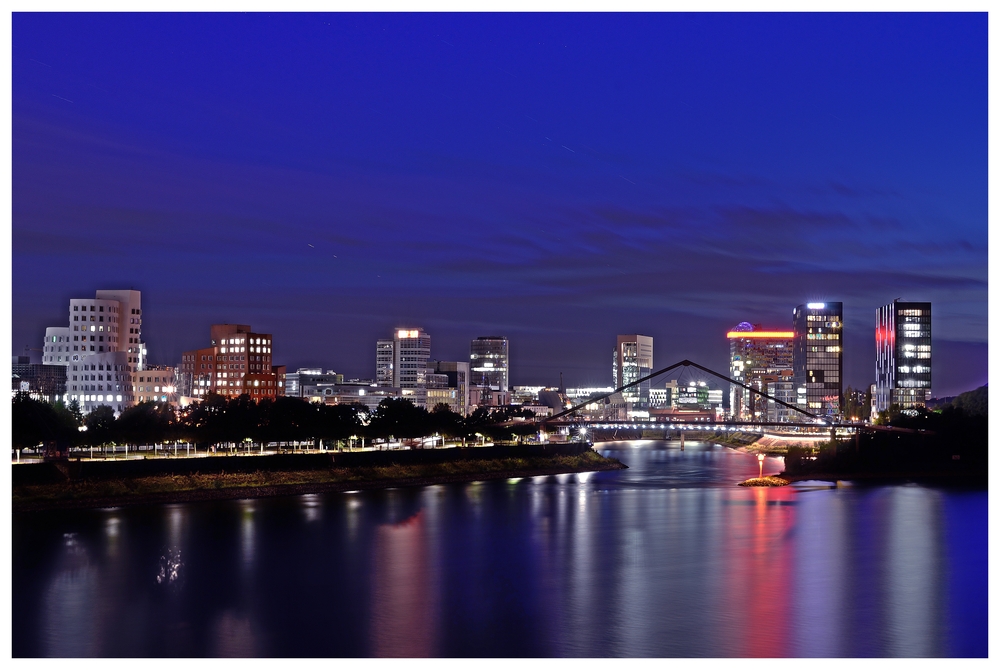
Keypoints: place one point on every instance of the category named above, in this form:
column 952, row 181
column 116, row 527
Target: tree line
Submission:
column 221, row 420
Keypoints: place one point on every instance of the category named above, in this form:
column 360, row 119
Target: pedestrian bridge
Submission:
column 810, row 423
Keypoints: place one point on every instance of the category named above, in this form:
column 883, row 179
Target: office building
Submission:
column 633, row 359
column 384, row 365
column 40, row 381
column 101, row 348
column 761, row 359
column 237, row 361
column 156, row 384
column 311, row 383
column 454, row 377
column 817, row 357
column 402, row 363
column 489, row 361
column 55, row 351
column 902, row 355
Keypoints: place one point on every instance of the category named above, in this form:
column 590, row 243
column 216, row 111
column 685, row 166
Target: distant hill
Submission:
column 938, row 403
column 974, row 403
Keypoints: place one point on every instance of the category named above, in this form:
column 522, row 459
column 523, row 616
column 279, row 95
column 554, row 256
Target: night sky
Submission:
column 555, row 178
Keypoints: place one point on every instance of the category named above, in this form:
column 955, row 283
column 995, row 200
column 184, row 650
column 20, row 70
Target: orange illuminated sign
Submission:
column 759, row 333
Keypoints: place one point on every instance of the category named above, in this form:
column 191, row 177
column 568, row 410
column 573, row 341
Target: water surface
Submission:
column 666, row 559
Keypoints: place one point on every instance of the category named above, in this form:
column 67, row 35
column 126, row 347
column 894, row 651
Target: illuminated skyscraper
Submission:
column 489, row 360
column 817, row 356
column 902, row 355
column 633, row 360
column 761, row 359
column 402, row 363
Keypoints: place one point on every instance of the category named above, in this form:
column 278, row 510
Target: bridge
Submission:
column 810, row 423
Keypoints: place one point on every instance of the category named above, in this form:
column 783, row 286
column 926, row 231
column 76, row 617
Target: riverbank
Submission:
column 175, row 488
column 977, row 481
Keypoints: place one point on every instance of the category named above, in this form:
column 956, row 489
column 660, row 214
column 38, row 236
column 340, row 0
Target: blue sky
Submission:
column 556, row 178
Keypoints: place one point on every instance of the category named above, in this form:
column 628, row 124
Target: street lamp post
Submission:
column 760, row 462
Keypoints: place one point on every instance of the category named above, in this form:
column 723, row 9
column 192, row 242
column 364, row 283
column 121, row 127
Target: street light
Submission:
column 82, row 429
column 760, row 462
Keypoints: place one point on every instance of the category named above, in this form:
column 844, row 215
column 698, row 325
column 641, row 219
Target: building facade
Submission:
column 384, row 362
column 817, row 357
column 902, row 355
column 456, row 377
column 633, row 360
column 402, row 363
column 55, row 351
column 40, row 381
column 101, row 349
column 761, row 359
column 311, row 383
column 489, row 363
column 237, row 362
column 156, row 384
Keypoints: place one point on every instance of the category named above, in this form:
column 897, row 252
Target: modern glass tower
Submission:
column 489, row 360
column 817, row 357
column 761, row 359
column 633, row 360
column 902, row 355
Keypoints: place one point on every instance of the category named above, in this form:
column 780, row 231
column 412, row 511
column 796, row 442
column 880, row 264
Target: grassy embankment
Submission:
column 171, row 488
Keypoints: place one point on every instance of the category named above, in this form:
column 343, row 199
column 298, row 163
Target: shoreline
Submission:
column 900, row 477
column 200, row 494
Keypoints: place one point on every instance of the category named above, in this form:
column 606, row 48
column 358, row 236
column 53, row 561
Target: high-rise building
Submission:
column 633, row 360
column 817, row 356
column 101, row 348
column 902, row 355
column 238, row 361
column 489, row 361
column 384, row 357
column 761, row 359
column 402, row 363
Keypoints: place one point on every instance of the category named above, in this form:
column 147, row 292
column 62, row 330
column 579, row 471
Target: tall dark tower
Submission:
column 902, row 355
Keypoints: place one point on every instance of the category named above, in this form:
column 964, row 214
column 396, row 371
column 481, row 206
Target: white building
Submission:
column 56, row 348
column 402, row 363
column 102, row 348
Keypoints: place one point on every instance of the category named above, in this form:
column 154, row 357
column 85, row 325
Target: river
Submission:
column 666, row 559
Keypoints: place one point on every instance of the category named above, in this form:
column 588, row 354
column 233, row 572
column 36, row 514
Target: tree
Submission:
column 146, row 423
column 446, row 422
column 398, row 417
column 100, row 425
column 974, row 403
column 34, row 422
column 340, row 422
column 74, row 409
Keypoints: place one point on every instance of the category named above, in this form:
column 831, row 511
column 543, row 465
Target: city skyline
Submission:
column 328, row 178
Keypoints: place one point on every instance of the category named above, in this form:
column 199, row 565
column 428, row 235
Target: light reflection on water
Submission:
column 667, row 559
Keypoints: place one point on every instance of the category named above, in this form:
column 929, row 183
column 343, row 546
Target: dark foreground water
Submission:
column 666, row 559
